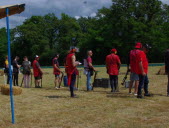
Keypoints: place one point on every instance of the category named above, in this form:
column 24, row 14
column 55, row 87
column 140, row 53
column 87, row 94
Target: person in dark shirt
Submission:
column 15, row 70
column 56, row 70
column 26, row 71
column 166, row 57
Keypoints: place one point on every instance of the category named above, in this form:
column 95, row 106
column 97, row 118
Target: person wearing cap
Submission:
column 37, row 71
column 70, row 69
column 15, row 70
column 89, row 69
column 166, row 58
column 113, row 65
column 142, row 71
column 56, row 70
column 131, row 66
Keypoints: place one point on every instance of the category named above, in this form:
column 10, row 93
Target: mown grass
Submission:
column 50, row 108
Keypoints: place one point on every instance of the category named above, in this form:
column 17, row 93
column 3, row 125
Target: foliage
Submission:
column 120, row 26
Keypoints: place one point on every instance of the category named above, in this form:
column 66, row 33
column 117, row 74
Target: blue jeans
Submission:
column 88, row 83
column 143, row 82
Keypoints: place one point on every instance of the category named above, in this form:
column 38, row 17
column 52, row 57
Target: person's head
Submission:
column 138, row 45
column 57, row 55
column 16, row 58
column 73, row 50
column 146, row 48
column 37, row 57
column 89, row 53
column 25, row 58
column 113, row 51
column 6, row 57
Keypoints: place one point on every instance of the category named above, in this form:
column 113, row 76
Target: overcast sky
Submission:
column 74, row 8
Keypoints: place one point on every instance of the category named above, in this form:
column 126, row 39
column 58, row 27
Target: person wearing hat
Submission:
column 142, row 71
column 70, row 69
column 56, row 70
column 89, row 69
column 131, row 66
column 37, row 71
column 15, row 70
column 113, row 65
column 166, row 57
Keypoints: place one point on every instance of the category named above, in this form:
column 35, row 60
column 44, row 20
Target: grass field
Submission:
column 49, row 108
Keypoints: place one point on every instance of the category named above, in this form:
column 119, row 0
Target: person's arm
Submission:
column 37, row 64
column 90, row 64
column 56, row 66
column 74, row 62
column 141, row 68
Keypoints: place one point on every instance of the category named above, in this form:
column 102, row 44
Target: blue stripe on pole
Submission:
column 9, row 64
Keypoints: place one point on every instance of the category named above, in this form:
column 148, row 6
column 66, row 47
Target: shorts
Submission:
column 38, row 77
column 57, row 76
column 134, row 76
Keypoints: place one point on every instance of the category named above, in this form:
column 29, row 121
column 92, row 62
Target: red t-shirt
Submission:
column 134, row 60
column 142, row 58
column 112, row 62
column 36, row 70
column 55, row 61
column 89, row 60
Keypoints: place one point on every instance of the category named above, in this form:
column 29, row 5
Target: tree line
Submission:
column 120, row 26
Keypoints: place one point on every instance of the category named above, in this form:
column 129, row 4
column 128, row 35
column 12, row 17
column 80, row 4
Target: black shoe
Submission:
column 147, row 94
column 140, row 96
column 73, row 96
column 168, row 94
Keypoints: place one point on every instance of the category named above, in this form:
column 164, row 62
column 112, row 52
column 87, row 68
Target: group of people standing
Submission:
column 137, row 65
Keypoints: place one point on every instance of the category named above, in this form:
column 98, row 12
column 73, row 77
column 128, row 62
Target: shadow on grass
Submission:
column 56, row 97
column 119, row 95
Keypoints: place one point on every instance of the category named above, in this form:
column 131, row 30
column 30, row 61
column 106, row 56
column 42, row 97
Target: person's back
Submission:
column 26, row 67
column 112, row 62
column 134, row 60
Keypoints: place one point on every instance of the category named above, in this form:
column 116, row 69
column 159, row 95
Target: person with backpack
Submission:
column 16, row 67
column 26, row 71
column 113, row 65
column 37, row 71
column 166, row 58
column 56, row 71
column 88, row 67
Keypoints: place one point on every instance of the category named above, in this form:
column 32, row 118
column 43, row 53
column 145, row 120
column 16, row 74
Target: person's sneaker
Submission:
column 140, row 96
column 135, row 94
column 168, row 94
column 56, row 88
column 74, row 96
column 130, row 93
column 147, row 94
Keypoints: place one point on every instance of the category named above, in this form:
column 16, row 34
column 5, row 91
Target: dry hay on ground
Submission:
column 1, row 73
column 161, row 71
column 5, row 90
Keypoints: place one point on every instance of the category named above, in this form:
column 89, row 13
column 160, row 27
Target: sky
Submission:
column 74, row 8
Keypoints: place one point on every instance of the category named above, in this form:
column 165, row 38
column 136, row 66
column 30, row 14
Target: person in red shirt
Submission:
column 89, row 69
column 56, row 70
column 37, row 71
column 131, row 66
column 71, row 64
column 142, row 67
column 113, row 65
